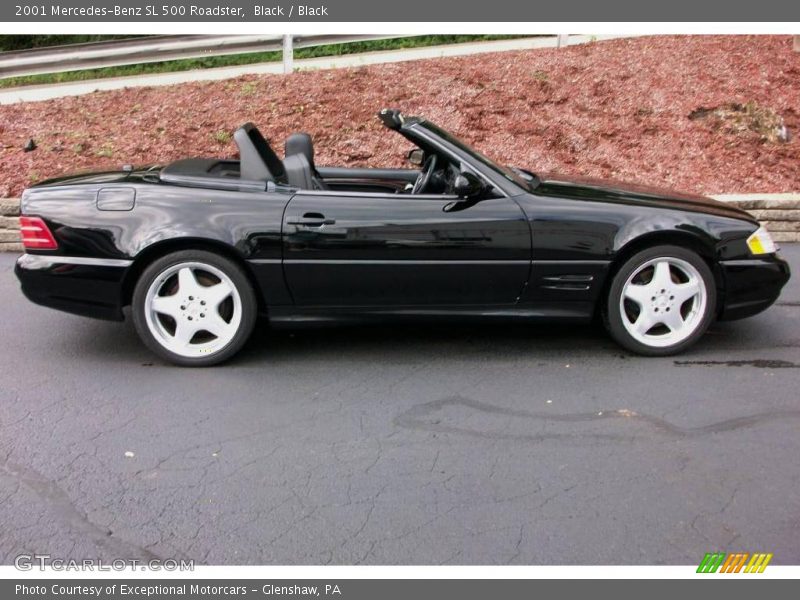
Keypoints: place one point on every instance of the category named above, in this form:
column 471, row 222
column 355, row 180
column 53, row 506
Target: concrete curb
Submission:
column 763, row 201
column 9, row 225
column 780, row 213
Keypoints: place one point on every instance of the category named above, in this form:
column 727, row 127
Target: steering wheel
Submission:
column 424, row 177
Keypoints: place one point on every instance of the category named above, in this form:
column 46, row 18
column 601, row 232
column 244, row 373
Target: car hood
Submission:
column 605, row 190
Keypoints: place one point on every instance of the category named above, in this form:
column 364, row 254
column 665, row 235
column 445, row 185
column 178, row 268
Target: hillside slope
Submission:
column 698, row 113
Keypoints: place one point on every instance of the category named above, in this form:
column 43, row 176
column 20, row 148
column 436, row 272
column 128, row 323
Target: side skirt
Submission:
column 316, row 316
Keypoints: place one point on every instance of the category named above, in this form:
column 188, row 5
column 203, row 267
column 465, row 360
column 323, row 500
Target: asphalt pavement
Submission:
column 495, row 444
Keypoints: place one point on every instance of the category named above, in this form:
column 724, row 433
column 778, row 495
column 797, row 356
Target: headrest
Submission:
column 258, row 160
column 300, row 143
column 298, row 172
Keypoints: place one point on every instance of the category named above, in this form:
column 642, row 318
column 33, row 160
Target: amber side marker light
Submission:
column 36, row 235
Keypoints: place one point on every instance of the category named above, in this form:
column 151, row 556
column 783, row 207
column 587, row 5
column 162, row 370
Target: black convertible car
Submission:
column 200, row 247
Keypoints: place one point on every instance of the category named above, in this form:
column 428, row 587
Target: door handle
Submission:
column 310, row 220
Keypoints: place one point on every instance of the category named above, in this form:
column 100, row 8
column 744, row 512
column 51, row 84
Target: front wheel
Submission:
column 194, row 308
column 660, row 301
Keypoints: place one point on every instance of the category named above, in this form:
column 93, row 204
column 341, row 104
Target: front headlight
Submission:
column 760, row 242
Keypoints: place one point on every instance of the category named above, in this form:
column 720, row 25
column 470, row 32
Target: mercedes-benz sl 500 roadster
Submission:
column 201, row 247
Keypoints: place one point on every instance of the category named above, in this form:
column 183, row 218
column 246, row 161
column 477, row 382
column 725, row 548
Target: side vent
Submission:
column 567, row 282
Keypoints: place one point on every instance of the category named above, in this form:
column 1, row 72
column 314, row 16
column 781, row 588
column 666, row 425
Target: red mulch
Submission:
column 616, row 109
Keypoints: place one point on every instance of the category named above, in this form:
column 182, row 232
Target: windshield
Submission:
column 522, row 178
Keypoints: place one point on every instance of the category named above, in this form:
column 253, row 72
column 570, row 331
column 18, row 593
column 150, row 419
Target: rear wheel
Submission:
column 194, row 308
column 660, row 301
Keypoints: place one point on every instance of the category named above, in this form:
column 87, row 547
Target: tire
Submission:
column 657, row 310
column 194, row 308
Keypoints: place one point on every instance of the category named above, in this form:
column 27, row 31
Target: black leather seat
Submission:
column 258, row 161
column 299, row 173
column 301, row 144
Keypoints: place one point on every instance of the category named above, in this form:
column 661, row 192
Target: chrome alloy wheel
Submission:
column 663, row 302
column 193, row 309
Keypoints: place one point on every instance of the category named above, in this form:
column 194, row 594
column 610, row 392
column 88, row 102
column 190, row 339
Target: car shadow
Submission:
column 460, row 341
column 118, row 342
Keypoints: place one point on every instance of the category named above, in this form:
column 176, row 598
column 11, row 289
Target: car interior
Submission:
column 259, row 168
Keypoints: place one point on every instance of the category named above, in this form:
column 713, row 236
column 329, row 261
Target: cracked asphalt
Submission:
column 410, row 445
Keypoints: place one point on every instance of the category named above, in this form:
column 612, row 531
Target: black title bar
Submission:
column 465, row 11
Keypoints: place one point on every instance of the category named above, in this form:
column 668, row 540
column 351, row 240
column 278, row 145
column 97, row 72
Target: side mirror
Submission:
column 416, row 157
column 467, row 185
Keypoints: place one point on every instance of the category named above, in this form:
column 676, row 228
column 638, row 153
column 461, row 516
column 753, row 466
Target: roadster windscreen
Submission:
column 500, row 169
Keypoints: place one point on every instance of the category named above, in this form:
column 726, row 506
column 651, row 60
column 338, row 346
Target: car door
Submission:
column 374, row 249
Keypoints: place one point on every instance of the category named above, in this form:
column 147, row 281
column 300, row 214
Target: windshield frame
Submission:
column 506, row 172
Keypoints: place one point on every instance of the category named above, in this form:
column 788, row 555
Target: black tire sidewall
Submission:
column 613, row 319
column 227, row 266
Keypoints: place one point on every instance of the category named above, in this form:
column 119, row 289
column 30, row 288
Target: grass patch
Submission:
column 745, row 119
column 221, row 137
column 246, row 59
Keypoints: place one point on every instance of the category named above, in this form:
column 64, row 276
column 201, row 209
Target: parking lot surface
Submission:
column 495, row 444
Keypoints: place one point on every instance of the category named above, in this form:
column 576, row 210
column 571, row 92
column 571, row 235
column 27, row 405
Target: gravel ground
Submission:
column 698, row 113
column 413, row 445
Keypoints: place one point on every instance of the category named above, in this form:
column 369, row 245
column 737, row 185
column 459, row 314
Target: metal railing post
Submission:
column 562, row 41
column 288, row 54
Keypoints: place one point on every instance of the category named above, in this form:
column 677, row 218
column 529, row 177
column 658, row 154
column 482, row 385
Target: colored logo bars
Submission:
column 734, row 563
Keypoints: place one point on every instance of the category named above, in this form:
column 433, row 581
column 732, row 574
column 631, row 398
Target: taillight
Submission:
column 36, row 235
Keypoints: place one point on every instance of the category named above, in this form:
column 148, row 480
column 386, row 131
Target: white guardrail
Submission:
column 159, row 48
